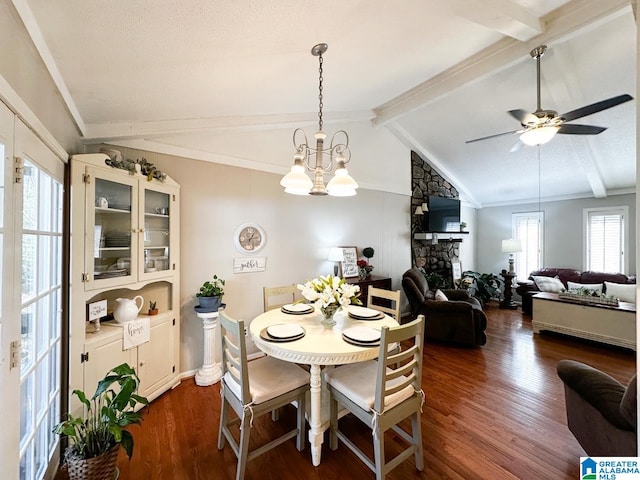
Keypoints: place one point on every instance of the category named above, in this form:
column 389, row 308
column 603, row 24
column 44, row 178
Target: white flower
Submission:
column 327, row 290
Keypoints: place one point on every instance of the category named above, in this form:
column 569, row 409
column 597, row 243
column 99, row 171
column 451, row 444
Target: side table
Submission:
column 211, row 370
column 507, row 302
column 369, row 281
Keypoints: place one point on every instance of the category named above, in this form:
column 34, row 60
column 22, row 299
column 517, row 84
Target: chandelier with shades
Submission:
column 297, row 182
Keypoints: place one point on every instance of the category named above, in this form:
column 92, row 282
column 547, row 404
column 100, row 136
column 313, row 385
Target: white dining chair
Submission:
column 253, row 389
column 381, row 394
column 276, row 297
column 390, row 297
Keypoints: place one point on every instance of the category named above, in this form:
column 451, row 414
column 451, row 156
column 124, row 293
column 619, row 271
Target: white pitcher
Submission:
column 127, row 309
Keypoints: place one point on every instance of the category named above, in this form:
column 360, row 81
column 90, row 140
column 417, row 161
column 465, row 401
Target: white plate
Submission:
column 363, row 312
column 297, row 307
column 285, row 330
column 362, row 334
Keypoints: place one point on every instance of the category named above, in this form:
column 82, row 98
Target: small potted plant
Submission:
column 153, row 309
column 368, row 252
column 210, row 294
column 463, row 226
column 97, row 435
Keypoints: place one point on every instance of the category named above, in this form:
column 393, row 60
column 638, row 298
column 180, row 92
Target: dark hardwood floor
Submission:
column 494, row 412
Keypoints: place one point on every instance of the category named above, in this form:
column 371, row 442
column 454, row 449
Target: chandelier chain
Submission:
column 320, row 105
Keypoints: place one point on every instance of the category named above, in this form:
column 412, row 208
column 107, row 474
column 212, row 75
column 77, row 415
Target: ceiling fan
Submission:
column 541, row 126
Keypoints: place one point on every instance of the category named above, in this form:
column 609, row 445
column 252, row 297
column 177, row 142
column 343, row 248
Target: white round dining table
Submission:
column 321, row 346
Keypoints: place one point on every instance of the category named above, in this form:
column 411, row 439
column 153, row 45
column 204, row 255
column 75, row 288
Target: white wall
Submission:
column 563, row 232
column 216, row 198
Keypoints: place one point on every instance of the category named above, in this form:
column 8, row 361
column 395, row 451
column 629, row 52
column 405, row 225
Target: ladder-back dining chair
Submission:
column 276, row 297
column 254, row 388
column 380, row 299
column 381, row 394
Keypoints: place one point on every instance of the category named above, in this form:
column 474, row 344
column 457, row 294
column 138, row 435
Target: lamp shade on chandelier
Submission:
column 310, row 158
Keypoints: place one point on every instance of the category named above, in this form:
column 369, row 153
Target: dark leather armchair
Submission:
column 458, row 320
column 601, row 412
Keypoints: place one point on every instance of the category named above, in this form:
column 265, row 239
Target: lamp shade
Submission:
column 342, row 185
column 418, row 211
column 511, row 245
column 335, row 254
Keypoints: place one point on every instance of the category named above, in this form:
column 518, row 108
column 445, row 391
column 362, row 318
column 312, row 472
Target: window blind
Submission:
column 604, row 241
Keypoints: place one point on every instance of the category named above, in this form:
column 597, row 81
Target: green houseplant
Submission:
column 98, row 433
column 483, row 286
column 210, row 294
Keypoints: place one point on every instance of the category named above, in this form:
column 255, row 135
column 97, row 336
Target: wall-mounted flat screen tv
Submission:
column 444, row 215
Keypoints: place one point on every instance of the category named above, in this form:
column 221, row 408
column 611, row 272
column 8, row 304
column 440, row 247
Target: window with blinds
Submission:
column 604, row 239
column 528, row 228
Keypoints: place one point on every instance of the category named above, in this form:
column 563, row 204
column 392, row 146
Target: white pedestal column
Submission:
column 211, row 370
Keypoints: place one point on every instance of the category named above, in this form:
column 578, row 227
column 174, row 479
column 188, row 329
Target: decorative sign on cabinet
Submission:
column 125, row 236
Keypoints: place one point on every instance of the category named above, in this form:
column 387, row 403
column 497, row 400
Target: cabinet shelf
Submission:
column 156, row 215
column 112, row 210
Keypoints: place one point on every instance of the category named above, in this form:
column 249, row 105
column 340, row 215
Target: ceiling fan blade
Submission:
column 493, row 136
column 524, row 117
column 568, row 128
column 517, row 146
column 595, row 107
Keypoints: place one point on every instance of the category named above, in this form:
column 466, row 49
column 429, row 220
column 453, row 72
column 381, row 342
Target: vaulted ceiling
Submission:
column 193, row 77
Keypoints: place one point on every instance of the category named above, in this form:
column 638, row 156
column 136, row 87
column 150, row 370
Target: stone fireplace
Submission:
column 437, row 257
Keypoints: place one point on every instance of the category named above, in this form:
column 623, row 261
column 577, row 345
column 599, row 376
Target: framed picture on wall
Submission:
column 349, row 264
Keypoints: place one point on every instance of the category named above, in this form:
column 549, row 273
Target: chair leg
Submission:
column 378, row 452
column 416, row 428
column 301, row 423
column 223, row 423
column 243, row 446
column 333, row 418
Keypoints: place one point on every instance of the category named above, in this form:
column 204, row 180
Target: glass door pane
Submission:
column 157, row 234
column 40, row 318
column 112, row 240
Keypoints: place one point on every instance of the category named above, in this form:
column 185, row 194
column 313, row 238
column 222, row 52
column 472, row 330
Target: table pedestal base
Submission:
column 316, row 433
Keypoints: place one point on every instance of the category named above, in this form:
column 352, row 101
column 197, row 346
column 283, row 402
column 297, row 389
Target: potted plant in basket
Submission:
column 210, row 294
column 368, row 253
column 98, row 434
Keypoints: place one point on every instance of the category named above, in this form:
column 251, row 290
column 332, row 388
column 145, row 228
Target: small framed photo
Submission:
column 349, row 264
column 456, row 273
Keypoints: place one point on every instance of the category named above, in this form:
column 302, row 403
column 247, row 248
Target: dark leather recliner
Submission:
column 458, row 320
column 601, row 412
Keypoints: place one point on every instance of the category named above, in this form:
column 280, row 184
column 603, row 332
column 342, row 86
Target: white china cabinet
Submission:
column 124, row 242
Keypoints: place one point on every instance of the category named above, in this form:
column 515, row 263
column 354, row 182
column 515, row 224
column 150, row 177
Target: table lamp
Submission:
column 335, row 255
column 511, row 246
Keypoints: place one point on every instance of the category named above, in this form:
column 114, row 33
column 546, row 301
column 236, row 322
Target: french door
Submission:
column 30, row 312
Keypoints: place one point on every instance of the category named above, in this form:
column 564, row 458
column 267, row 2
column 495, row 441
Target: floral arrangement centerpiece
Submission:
column 330, row 293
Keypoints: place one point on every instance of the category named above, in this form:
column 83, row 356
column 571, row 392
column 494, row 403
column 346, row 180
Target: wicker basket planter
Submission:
column 102, row 467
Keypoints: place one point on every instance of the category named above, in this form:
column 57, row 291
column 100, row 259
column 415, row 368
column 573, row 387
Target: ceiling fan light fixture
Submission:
column 539, row 135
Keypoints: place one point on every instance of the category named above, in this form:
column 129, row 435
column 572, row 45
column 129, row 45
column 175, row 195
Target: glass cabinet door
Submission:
column 157, row 203
column 111, row 233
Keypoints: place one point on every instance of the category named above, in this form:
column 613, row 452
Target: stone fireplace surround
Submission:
column 426, row 181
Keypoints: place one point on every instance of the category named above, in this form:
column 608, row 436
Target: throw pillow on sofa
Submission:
column 440, row 296
column 548, row 284
column 623, row 292
column 596, row 287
